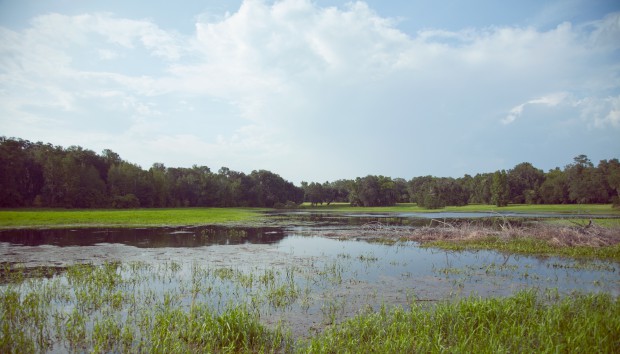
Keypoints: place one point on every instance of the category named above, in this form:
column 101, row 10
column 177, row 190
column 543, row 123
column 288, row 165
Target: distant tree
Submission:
column 481, row 188
column 611, row 174
column 314, row 193
column 329, row 193
column 524, row 181
column 586, row 184
column 500, row 190
column 342, row 188
column 400, row 188
column 554, row 189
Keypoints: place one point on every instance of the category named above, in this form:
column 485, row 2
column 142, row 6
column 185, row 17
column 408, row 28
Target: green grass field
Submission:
column 126, row 218
column 59, row 218
column 605, row 209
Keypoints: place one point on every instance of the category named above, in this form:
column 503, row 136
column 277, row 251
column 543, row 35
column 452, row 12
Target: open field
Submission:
column 54, row 218
column 58, row 218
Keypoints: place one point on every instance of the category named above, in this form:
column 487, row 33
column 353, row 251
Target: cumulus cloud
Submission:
column 275, row 80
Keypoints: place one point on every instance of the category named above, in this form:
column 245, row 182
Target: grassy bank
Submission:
column 587, row 209
column 35, row 218
column 115, row 308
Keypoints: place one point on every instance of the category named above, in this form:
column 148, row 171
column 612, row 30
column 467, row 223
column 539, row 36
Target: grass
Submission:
column 55, row 218
column 118, row 307
column 586, row 209
column 530, row 246
column 524, row 322
column 59, row 218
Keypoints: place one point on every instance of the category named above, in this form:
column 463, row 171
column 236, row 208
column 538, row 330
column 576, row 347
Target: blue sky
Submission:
column 317, row 90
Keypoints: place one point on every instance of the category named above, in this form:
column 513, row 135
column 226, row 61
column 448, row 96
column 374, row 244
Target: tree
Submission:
column 586, row 184
column 500, row 191
column 481, row 188
column 314, row 193
column 554, row 189
column 524, row 180
column 611, row 172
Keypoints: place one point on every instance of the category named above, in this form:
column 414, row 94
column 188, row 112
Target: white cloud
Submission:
column 292, row 78
column 551, row 100
column 600, row 112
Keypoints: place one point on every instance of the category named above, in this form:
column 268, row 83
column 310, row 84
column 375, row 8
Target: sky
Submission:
column 317, row 90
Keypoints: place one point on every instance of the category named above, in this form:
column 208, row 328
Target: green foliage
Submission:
column 500, row 190
column 373, row 191
column 42, row 175
column 34, row 174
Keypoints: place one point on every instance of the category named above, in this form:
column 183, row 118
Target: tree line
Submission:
column 43, row 175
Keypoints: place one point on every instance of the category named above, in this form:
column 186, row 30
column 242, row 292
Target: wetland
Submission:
column 301, row 281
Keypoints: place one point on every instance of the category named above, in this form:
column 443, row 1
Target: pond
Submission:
column 292, row 275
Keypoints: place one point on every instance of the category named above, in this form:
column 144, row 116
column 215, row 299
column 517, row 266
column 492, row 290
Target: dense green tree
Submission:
column 611, row 172
column 400, row 188
column 554, row 190
column 500, row 190
column 586, row 184
column 37, row 174
column 524, row 181
column 13, row 162
column 481, row 188
column 329, row 193
column 434, row 192
column 314, row 193
column 373, row 191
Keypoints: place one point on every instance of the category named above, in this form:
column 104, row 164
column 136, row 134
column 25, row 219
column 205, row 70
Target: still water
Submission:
column 331, row 277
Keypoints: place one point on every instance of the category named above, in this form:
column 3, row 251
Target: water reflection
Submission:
column 144, row 238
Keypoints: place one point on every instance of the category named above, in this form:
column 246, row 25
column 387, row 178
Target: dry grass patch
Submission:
column 589, row 240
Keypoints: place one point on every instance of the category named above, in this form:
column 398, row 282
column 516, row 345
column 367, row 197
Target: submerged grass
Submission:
column 113, row 308
column 57, row 218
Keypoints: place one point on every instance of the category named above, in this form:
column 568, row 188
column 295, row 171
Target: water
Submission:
column 332, row 278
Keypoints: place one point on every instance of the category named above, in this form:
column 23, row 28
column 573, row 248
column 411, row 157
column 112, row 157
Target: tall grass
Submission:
column 140, row 307
column 522, row 323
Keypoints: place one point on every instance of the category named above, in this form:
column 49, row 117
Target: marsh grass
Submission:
column 177, row 308
column 504, row 235
column 524, row 322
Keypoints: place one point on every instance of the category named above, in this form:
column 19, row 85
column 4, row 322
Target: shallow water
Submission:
column 337, row 277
